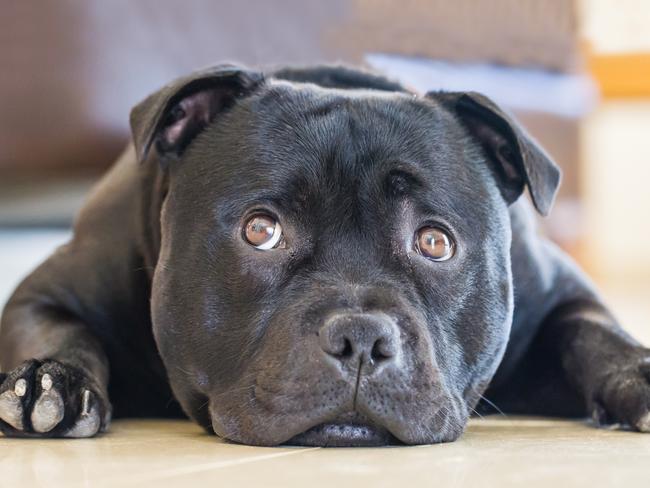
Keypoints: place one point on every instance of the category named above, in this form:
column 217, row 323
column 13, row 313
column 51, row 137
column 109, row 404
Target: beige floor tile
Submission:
column 493, row 452
column 134, row 452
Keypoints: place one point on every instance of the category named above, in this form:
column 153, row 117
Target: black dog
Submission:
column 314, row 256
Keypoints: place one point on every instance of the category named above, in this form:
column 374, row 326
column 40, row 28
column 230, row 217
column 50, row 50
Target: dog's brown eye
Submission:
column 263, row 232
column 434, row 243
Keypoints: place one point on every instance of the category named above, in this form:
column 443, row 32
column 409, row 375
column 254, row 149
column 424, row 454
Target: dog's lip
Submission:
column 343, row 434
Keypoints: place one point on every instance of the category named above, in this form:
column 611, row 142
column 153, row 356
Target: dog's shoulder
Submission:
column 113, row 194
column 543, row 274
column 535, row 266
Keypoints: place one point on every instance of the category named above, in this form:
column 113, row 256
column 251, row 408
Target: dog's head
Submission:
column 334, row 263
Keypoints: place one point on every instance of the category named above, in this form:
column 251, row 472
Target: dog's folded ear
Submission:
column 171, row 117
column 518, row 160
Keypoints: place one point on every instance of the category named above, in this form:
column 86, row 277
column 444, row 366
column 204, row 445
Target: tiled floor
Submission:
column 495, row 451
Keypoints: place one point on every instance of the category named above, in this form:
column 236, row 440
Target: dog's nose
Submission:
column 353, row 339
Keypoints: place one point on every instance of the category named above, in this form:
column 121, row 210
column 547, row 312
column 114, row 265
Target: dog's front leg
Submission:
column 55, row 373
column 609, row 369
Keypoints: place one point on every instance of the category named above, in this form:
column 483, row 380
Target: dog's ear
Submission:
column 518, row 160
column 171, row 117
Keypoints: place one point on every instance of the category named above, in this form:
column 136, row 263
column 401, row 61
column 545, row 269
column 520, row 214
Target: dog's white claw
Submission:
column 48, row 411
column 88, row 423
column 85, row 403
column 644, row 423
column 46, row 382
column 20, row 387
column 11, row 408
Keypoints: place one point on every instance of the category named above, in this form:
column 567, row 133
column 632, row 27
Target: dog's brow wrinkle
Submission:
column 325, row 109
column 397, row 184
column 401, row 179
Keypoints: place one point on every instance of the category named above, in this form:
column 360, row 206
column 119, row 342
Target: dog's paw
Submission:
column 623, row 396
column 51, row 399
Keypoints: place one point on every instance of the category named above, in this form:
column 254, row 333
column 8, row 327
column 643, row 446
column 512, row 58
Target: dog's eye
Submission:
column 434, row 243
column 263, row 232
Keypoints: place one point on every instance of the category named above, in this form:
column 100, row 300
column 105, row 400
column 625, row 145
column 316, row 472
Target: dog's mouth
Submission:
column 345, row 431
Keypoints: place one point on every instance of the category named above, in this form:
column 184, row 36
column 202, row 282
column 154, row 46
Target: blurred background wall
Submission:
column 576, row 73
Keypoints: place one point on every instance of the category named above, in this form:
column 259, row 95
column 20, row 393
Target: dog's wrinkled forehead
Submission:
column 299, row 143
column 350, row 130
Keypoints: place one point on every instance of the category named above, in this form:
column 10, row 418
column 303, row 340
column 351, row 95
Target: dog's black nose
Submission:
column 355, row 338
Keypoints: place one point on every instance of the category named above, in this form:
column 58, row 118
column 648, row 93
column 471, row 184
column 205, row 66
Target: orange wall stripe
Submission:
column 622, row 75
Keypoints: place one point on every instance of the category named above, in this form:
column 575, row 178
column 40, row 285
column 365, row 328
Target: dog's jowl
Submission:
column 315, row 256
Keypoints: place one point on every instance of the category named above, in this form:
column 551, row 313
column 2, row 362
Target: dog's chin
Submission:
column 337, row 434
